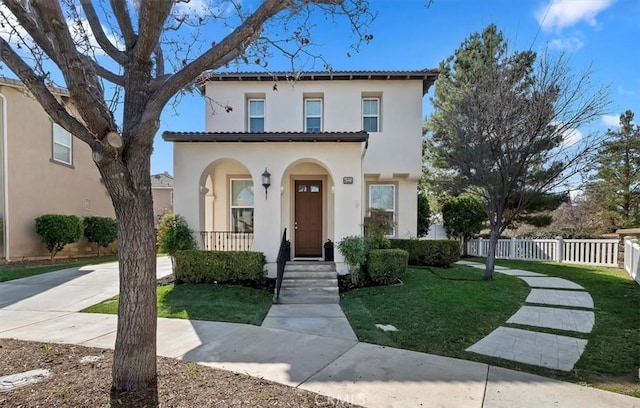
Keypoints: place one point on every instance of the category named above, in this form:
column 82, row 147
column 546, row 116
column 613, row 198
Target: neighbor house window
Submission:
column 241, row 205
column 371, row 114
column 382, row 205
column 62, row 145
column 256, row 115
column 313, row 115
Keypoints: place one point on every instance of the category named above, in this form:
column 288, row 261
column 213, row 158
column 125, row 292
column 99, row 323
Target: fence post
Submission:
column 512, row 249
column 480, row 247
column 559, row 249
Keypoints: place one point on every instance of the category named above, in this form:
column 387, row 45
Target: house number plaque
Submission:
column 347, row 180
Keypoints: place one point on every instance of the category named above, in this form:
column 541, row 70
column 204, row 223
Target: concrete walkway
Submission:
column 559, row 352
column 339, row 368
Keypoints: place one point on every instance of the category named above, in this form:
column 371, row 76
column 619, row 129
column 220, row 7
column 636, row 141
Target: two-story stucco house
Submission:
column 43, row 170
column 162, row 192
column 311, row 155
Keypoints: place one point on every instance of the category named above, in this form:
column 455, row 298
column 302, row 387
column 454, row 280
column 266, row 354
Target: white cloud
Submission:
column 611, row 120
column 569, row 44
column 571, row 137
column 560, row 14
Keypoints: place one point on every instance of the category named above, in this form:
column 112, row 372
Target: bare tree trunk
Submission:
column 491, row 254
column 134, row 360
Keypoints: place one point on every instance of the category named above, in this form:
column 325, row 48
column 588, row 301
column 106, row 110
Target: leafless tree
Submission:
column 122, row 62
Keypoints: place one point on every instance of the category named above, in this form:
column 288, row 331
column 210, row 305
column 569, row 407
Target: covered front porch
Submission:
column 314, row 190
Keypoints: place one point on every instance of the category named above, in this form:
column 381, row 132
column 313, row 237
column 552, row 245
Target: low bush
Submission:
column 441, row 253
column 58, row 230
column 175, row 235
column 386, row 266
column 101, row 230
column 193, row 266
column 354, row 249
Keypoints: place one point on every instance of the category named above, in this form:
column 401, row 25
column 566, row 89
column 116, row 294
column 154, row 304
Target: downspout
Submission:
column 5, row 181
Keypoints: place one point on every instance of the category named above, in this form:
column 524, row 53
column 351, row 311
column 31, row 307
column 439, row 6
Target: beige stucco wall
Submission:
column 162, row 202
column 395, row 151
column 194, row 163
column 38, row 186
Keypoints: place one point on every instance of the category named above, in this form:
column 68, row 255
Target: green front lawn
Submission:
column 221, row 303
column 23, row 270
column 444, row 311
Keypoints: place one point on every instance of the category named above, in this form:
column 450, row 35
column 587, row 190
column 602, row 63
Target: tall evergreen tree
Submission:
column 501, row 124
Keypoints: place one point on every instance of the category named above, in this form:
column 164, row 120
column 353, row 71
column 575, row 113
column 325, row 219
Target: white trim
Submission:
column 377, row 115
column 308, row 116
column 249, row 116
column 5, row 168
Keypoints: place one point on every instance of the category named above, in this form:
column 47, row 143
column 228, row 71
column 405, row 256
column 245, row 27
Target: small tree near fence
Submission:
column 175, row 235
column 100, row 230
column 58, row 230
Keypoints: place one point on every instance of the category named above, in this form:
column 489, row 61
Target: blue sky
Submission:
column 603, row 34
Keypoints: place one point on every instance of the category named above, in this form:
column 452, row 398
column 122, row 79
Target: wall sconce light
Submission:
column 266, row 182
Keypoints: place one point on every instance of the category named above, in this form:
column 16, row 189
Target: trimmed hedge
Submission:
column 58, row 230
column 441, row 253
column 195, row 266
column 386, row 266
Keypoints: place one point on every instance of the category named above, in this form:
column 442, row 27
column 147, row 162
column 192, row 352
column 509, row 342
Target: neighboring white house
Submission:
column 334, row 145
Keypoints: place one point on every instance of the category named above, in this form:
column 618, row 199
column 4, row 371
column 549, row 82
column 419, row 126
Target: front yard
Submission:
column 220, row 303
column 18, row 270
column 444, row 311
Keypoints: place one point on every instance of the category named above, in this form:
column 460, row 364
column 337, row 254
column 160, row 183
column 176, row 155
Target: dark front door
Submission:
column 308, row 221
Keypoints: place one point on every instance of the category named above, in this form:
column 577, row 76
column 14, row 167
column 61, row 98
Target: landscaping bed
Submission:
column 180, row 383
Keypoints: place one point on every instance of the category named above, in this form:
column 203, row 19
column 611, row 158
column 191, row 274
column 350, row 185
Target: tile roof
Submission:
column 161, row 180
column 255, row 137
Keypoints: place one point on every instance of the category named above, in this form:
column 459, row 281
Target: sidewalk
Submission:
column 340, row 368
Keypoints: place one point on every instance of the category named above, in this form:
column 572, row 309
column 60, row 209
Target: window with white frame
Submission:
column 313, row 115
column 371, row 114
column 382, row 203
column 256, row 115
column 241, row 205
column 62, row 145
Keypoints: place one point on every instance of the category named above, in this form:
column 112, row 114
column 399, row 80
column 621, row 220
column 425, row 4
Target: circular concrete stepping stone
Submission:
column 553, row 318
column 548, row 282
column 561, row 298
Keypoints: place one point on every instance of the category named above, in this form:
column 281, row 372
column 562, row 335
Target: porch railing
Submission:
column 227, row 240
column 281, row 262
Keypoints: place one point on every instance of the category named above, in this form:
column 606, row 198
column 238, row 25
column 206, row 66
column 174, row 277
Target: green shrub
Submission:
column 441, row 253
column 58, row 230
column 101, row 230
column 354, row 249
column 376, row 226
column 193, row 266
column 386, row 266
column 175, row 235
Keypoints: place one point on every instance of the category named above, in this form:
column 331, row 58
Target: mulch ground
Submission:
column 180, row 383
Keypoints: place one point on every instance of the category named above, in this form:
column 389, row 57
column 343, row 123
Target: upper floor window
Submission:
column 256, row 115
column 313, row 115
column 371, row 114
column 62, row 145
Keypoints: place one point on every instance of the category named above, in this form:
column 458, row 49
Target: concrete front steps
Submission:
column 306, row 282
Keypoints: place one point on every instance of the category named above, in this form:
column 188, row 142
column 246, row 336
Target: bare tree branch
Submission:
column 98, row 32
column 31, row 26
column 108, row 75
column 121, row 11
column 153, row 14
column 47, row 100
column 159, row 61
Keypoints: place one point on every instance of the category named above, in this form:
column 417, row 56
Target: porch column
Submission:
column 266, row 215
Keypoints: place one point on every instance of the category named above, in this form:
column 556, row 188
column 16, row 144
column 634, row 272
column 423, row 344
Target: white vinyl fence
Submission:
column 580, row 251
column 632, row 258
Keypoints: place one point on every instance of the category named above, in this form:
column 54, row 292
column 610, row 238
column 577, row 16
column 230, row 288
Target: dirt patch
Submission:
column 180, row 383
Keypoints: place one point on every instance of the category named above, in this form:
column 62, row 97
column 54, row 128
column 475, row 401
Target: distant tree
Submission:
column 463, row 216
column 616, row 182
column 101, row 230
column 539, row 213
column 505, row 123
column 424, row 214
column 58, row 230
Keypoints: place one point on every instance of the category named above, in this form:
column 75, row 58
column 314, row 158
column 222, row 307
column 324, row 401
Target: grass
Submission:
column 23, row 270
column 221, row 303
column 453, row 308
